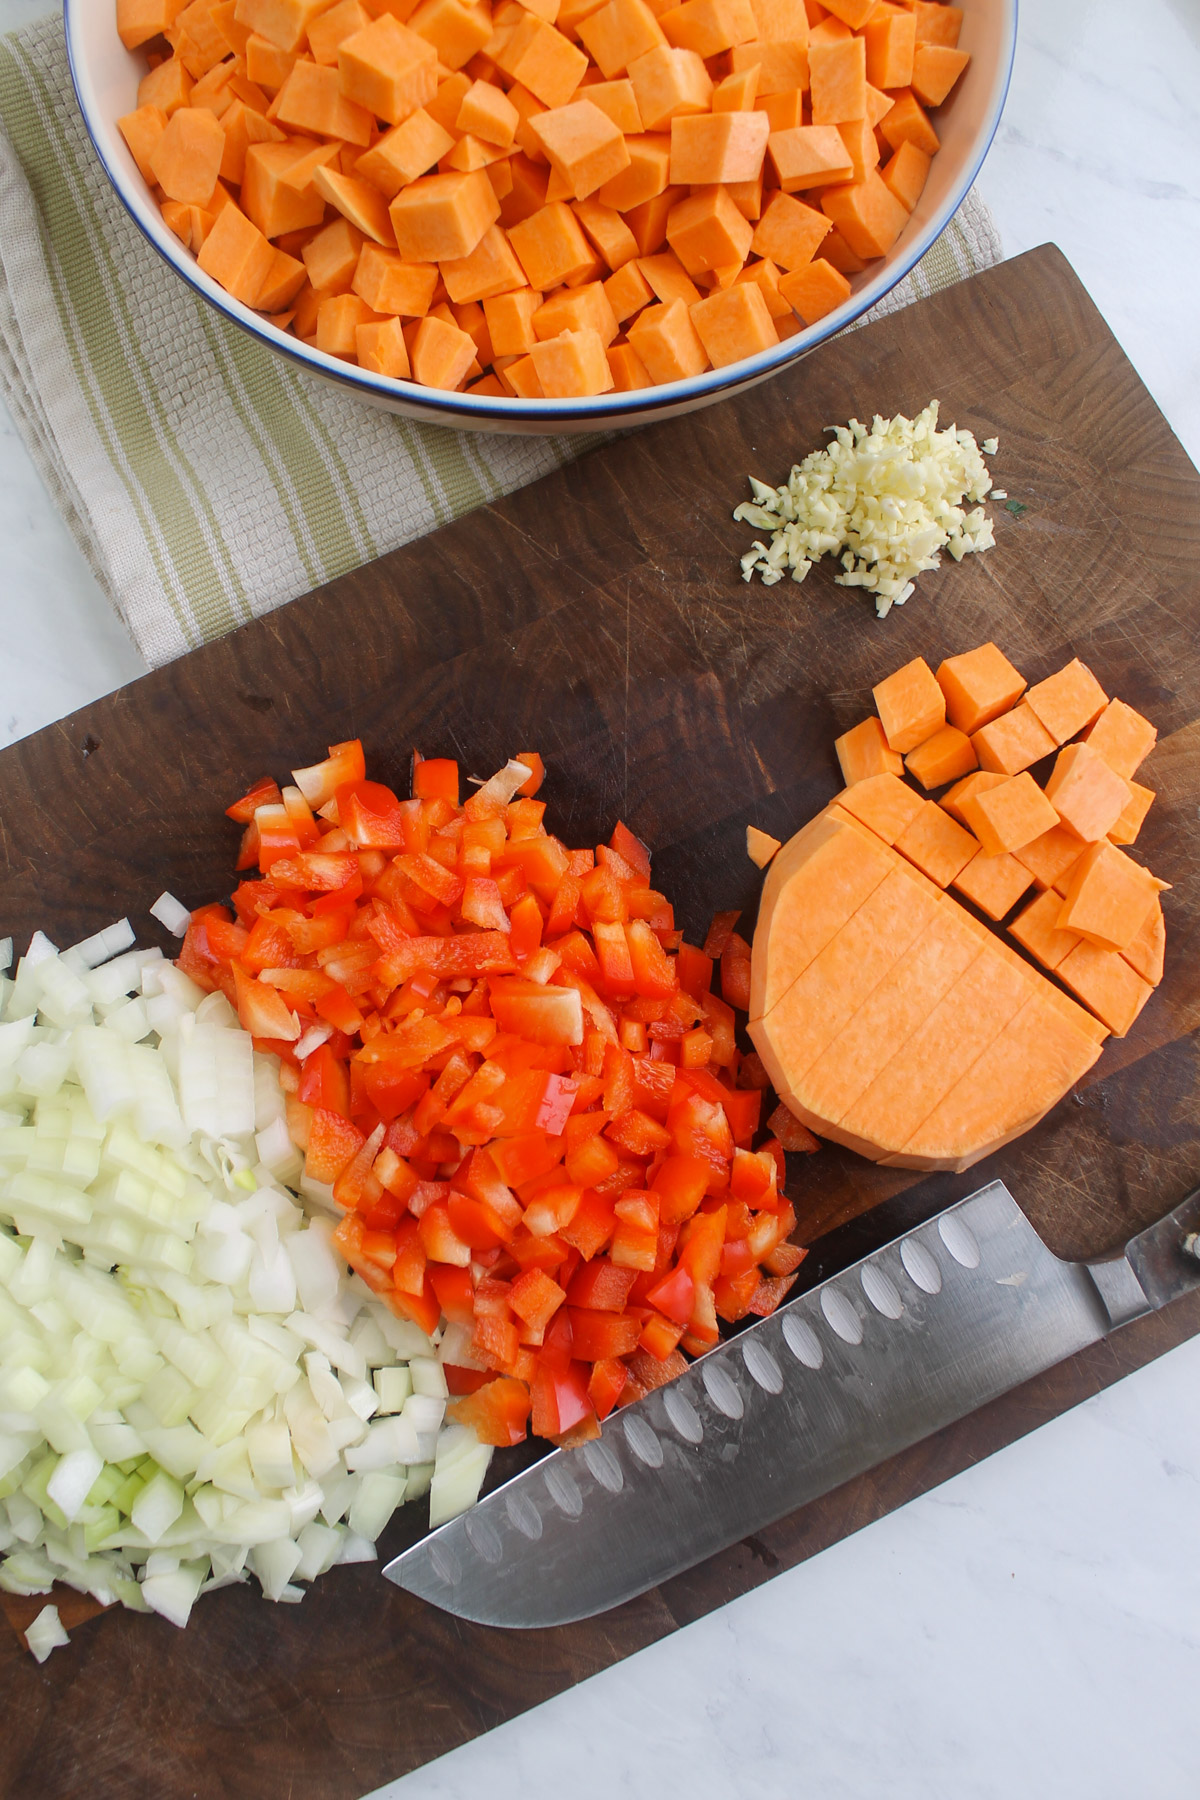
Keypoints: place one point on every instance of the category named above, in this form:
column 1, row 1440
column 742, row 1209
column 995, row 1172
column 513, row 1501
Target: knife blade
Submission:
column 911, row 1338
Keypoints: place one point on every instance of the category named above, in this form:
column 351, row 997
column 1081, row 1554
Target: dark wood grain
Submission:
column 599, row 616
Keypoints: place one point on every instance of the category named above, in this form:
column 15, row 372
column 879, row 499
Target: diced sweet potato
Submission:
column 582, row 145
column 1106, row 983
column 733, row 324
column 863, row 752
column 838, row 80
column 977, row 783
column 629, row 372
column 1014, row 741
column 867, row 214
column 809, row 156
column 572, row 364
column 1088, row 795
column 439, row 218
column 381, row 349
column 884, row 804
column 404, row 153
column 510, row 321
column 668, row 279
column 1129, row 824
column 441, row 354
column 907, row 123
column 618, row 33
column 490, row 268
column 1108, row 897
column 1068, row 702
column 606, row 229
column 584, row 308
column 993, row 883
column 814, row 290
column 1122, row 737
column 1009, row 815
column 706, row 231
column 142, row 130
column 628, row 291
column 1147, row 952
column 936, row 68
column 667, row 342
column 388, row 284
column 890, row 42
column 236, row 254
column 905, row 175
column 979, row 685
column 669, row 84
column 936, row 844
column 945, row 756
column 647, row 175
column 910, row 704
column 551, row 247
column 186, row 160
column 789, row 232
column 717, row 147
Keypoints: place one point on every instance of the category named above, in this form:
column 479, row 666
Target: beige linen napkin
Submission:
column 204, row 478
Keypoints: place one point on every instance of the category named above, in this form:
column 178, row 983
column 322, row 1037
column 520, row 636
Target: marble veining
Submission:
column 1032, row 1627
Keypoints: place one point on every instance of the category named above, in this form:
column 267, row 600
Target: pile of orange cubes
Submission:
column 544, row 198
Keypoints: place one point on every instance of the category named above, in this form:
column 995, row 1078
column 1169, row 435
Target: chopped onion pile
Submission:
column 193, row 1388
column 886, row 500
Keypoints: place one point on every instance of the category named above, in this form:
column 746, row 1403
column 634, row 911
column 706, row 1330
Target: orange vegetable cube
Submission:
column 977, row 783
column 267, row 65
column 1123, row 737
column 723, row 147
column 618, row 100
column 1126, row 829
column 488, row 113
column 510, row 321
column 573, row 364
column 907, row 123
column 441, row 354
column 403, row 153
column 837, row 251
column 814, row 290
column 861, row 147
column 1068, row 702
column 584, row 308
column 906, row 173
column 236, row 254
column 786, row 111
column 781, row 21
column 890, row 42
column 646, row 177
column 543, row 61
column 733, row 324
column 789, row 232
column 669, row 279
column 667, row 342
column 766, row 276
column 168, row 87
column 837, row 74
column 628, row 291
column 271, row 205
column 1014, row 741
column 993, row 883
column 867, row 214
column 448, row 98
column 142, row 130
column 1088, row 796
column 186, row 160
column 440, row 218
column 936, row 68
column 332, row 258
column 281, row 22
column 936, row 845
column 1036, row 929
column 456, row 31
column 628, row 371
column 1106, row 983
column 388, row 284
column 852, row 14
column 782, row 68
column 242, row 127
column 282, row 282
column 387, row 69
column 1051, row 857
column 583, row 146
column 937, row 23
column 140, row 20
column 808, row 156
column 669, row 84
column 1108, row 897
column 1147, row 951
column 1009, row 815
column 946, row 756
column 333, row 27
column 358, row 201
column 528, row 192
column 490, row 268
column 648, row 221
column 551, row 247
column 706, row 231
column 737, row 93
column 709, row 26
column 863, row 752
column 910, row 704
column 607, row 230
column 381, row 349
column 522, row 377
column 616, row 34
column 311, row 100
column 979, row 685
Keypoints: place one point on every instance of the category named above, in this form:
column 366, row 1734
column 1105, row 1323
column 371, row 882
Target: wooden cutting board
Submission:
column 600, row 617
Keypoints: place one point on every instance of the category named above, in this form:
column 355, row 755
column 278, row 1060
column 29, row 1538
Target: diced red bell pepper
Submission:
column 653, row 971
column 675, row 1295
column 592, row 1226
column 262, row 793
column 784, row 1259
column 435, row 778
column 332, row 1141
column 701, row 1241
column 605, row 1383
column 631, row 848
column 597, row 1335
column 262, row 1010
column 560, row 1398
column 719, row 933
column 650, row 1373
column 324, row 1081
column 358, row 1182
column 752, row 1177
column 770, row 1293
column 496, row 1412
column 659, row 1336
column 617, row 977
column 524, row 1158
column 424, row 1309
column 618, row 1081
column 693, row 970
column 536, row 1298
column 594, row 1160
column 455, row 1292
column 442, row 1243
column 495, row 1341
column 601, row 1286
column 743, row 1107
column 638, row 1133
column 537, row 772
column 344, row 765
column 544, row 1015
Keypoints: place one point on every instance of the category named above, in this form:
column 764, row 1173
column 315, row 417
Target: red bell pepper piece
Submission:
column 675, row 1295
column 434, row 778
column 496, row 1412
column 455, row 1292
column 601, row 1286
column 607, row 1379
column 535, row 1298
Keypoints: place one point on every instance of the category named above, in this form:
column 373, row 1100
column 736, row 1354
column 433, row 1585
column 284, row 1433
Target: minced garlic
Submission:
column 885, row 500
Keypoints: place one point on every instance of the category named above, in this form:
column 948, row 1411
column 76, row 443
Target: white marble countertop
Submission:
column 1034, row 1625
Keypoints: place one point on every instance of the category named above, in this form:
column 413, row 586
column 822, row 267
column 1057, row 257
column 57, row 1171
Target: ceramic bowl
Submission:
column 106, row 77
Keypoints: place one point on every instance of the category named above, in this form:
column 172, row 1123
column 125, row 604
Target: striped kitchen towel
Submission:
column 204, row 478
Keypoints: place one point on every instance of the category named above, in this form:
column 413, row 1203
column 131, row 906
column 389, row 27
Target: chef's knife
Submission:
column 871, row 1361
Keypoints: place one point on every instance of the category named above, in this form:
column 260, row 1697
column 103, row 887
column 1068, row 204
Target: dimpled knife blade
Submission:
column 873, row 1360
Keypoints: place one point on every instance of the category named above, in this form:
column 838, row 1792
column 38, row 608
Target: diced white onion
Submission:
column 46, row 1633
column 171, row 913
